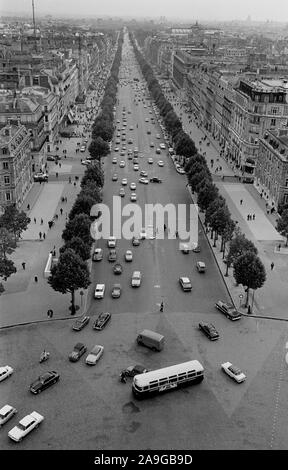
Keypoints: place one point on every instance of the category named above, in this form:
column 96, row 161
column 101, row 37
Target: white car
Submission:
column 136, row 279
column 157, row 136
column 233, row 372
column 128, row 255
column 5, row 371
column 122, row 164
column 27, row 424
column 116, row 149
column 124, row 182
column 6, row 413
column 114, row 160
column 162, row 146
column 142, row 234
column 99, row 291
column 133, row 186
column 136, row 167
column 133, row 197
column 150, row 160
column 86, row 162
column 94, row 355
column 83, row 148
column 160, row 163
column 111, row 242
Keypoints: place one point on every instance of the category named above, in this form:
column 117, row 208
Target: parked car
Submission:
column 7, row 412
column 209, row 330
column 25, row 426
column 5, row 372
column 94, row 355
column 78, row 351
column 229, row 310
column 80, row 323
column 234, row 372
column 131, row 371
column 185, row 283
column 101, row 321
column 136, row 279
column 44, row 381
column 99, row 291
column 118, row 268
column 97, row 255
column 116, row 291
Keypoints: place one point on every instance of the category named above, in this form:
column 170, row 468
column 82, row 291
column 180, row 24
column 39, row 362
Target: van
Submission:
column 151, row 340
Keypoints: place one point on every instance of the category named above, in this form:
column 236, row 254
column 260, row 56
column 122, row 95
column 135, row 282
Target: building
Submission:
column 15, row 164
column 271, row 172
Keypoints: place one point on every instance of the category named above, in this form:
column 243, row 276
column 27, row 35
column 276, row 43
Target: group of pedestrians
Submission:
column 251, row 217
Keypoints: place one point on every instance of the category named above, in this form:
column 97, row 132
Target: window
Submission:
column 274, row 110
column 8, row 197
column 5, row 165
column 273, row 122
column 4, row 151
column 6, row 179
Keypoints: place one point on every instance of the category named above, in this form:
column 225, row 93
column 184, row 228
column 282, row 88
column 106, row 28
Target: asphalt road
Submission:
column 89, row 408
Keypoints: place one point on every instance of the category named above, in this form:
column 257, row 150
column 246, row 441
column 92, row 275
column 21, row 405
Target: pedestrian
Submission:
column 28, row 207
column 272, row 266
column 24, row 265
column 248, row 217
column 162, row 306
column 56, row 174
column 44, row 236
column 241, row 202
column 75, row 183
column 36, row 278
column 279, row 246
column 253, row 217
column 34, row 220
column 59, row 165
column 40, row 235
column 41, row 221
column 61, row 210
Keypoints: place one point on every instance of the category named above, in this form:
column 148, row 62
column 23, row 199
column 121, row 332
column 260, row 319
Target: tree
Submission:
column 14, row 220
column 7, row 244
column 227, row 234
column 250, row 272
column 282, row 225
column 206, row 195
column 78, row 227
column 7, row 268
column 78, row 246
column 102, row 129
column 98, row 148
column 196, row 178
column 92, row 190
column 83, row 205
column 219, row 221
column 93, row 173
column 69, row 274
column 239, row 245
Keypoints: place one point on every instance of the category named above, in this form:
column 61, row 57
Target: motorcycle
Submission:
column 44, row 357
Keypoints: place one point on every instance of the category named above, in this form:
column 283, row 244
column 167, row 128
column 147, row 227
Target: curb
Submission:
column 40, row 321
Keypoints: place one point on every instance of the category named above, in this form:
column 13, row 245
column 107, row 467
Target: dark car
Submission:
column 101, row 321
column 196, row 249
column 135, row 241
column 80, row 323
column 118, row 268
column 44, row 381
column 131, row 371
column 40, row 177
column 78, row 351
column 155, row 180
column 112, row 256
column 116, row 291
column 209, row 330
column 229, row 310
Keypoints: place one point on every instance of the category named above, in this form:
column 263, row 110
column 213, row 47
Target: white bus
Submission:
column 168, row 378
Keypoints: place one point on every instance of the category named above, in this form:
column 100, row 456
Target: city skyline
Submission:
column 209, row 10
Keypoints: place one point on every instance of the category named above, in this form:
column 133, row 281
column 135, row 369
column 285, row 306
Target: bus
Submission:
column 168, row 378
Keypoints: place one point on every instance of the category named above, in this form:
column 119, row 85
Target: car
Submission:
column 111, row 242
column 155, row 179
column 135, row 241
column 131, row 371
column 160, row 163
column 101, row 321
column 5, row 372
column 116, row 149
column 131, row 128
column 115, row 176
column 133, row 186
column 130, row 141
column 200, row 266
column 124, row 182
column 83, row 148
column 234, row 372
column 116, row 291
column 78, row 351
column 94, row 355
column 118, row 121
column 44, row 381
column 122, row 153
column 117, row 268
column 229, row 310
column 112, row 256
column 122, row 164
column 196, row 249
column 117, row 141
column 150, row 160
column 136, row 279
column 209, row 330
column 151, row 144
column 121, row 192
column 185, row 283
column 148, row 132
column 142, row 234
column 51, row 158
column 136, row 167
column 6, row 413
column 86, row 162
column 80, row 323
column 114, row 160
column 133, row 197
column 26, row 425
column 99, row 291
column 158, row 151
column 143, row 173
column 118, row 134
column 181, row 171
column 40, row 177
column 128, row 256
column 157, row 136
column 162, row 146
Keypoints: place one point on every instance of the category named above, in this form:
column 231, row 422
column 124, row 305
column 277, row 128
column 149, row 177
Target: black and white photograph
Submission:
column 143, row 229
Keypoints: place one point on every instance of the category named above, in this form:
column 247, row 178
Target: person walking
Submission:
column 40, row 235
column 241, row 202
column 41, row 221
column 23, row 265
column 28, row 207
column 44, row 236
column 61, row 210
column 34, row 220
column 162, row 306
column 253, row 217
column 272, row 266
column 36, row 278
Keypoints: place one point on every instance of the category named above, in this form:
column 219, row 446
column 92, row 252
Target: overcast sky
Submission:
column 186, row 9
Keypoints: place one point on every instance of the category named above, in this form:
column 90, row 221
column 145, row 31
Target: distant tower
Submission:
column 34, row 26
